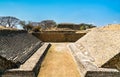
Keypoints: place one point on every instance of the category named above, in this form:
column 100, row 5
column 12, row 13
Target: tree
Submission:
column 48, row 24
column 9, row 21
column 2, row 23
column 26, row 26
column 84, row 26
column 66, row 25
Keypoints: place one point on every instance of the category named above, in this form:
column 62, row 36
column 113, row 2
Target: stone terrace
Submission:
column 97, row 53
column 16, row 46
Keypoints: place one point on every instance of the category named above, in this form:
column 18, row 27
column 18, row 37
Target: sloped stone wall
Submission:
column 4, row 64
column 113, row 63
column 102, row 45
column 31, row 67
column 97, row 54
column 16, row 46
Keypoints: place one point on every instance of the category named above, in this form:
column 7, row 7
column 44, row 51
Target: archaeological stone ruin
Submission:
column 20, row 53
column 97, row 54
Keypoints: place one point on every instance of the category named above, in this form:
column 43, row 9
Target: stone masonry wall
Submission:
column 54, row 36
column 16, row 46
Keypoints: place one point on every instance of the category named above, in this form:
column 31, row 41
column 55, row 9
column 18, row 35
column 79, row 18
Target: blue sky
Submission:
column 98, row 12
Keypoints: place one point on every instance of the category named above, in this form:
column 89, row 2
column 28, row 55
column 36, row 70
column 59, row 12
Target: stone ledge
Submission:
column 31, row 67
column 102, row 74
column 86, row 66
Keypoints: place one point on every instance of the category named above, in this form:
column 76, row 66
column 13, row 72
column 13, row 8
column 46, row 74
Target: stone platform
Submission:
column 31, row 67
column 16, row 46
column 98, row 53
column 20, row 53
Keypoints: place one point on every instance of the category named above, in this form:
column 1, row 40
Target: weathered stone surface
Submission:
column 31, row 67
column 59, row 36
column 5, row 64
column 102, row 74
column 98, row 53
column 16, row 46
column 101, row 45
column 111, row 27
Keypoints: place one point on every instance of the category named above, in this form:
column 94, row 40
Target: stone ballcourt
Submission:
column 97, row 54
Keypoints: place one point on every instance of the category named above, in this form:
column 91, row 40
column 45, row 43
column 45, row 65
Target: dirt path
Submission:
column 58, row 63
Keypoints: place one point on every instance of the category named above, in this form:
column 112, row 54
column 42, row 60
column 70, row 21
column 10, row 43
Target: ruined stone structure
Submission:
column 16, row 49
column 59, row 36
column 98, row 53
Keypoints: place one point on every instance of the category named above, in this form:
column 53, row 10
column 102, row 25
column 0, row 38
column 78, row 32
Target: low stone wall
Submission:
column 19, row 74
column 102, row 74
column 31, row 67
column 103, row 46
column 98, row 53
column 86, row 64
column 59, row 36
column 6, row 64
column 113, row 63
column 16, row 46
